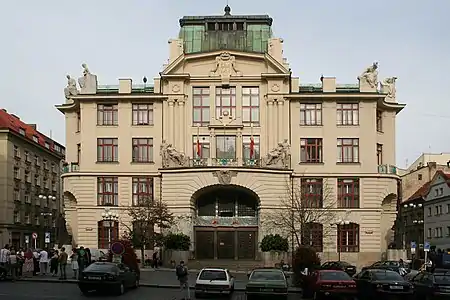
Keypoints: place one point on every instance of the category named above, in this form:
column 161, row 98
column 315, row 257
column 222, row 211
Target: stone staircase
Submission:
column 235, row 265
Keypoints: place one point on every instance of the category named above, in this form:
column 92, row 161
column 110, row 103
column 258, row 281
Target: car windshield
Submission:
column 344, row 264
column 387, row 275
column 101, row 267
column 442, row 279
column 334, row 276
column 213, row 275
column 267, row 275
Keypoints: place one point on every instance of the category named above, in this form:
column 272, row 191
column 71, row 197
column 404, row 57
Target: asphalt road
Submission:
column 22, row 290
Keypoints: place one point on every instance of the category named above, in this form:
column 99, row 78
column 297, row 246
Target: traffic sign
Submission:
column 413, row 247
column 47, row 237
column 34, row 235
column 117, row 248
column 426, row 247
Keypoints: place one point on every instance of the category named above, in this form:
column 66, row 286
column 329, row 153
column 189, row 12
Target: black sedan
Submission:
column 339, row 266
column 106, row 276
column 391, row 265
column 434, row 285
column 374, row 283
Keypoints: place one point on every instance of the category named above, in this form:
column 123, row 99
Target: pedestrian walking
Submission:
column 63, row 263
column 183, row 276
column 74, row 263
column 28, row 265
column 5, row 253
column 82, row 260
column 155, row 260
column 54, row 263
column 36, row 262
column 13, row 264
column 43, row 262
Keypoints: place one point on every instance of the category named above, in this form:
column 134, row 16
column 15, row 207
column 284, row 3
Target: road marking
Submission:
column 28, row 296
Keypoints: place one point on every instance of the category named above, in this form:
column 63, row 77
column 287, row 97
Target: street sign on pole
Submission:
column 413, row 247
column 47, row 238
column 426, row 247
column 34, row 235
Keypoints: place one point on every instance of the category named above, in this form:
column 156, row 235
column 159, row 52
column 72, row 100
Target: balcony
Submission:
column 73, row 167
column 227, row 162
column 226, row 221
column 387, row 169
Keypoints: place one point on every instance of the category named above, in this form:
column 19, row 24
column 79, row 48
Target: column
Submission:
column 280, row 127
column 170, row 121
column 239, row 154
column 212, row 146
column 180, row 126
column 269, row 125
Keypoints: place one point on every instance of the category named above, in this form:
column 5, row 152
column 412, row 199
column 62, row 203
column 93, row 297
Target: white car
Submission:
column 214, row 281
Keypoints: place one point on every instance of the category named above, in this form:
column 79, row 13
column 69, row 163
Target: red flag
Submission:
column 252, row 147
column 199, row 149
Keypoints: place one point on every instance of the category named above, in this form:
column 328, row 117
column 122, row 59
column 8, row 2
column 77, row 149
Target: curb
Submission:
column 148, row 285
column 197, row 270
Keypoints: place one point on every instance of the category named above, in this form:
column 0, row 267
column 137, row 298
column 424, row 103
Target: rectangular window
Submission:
column 225, row 101
column 35, row 139
column 27, row 156
column 107, row 114
column 78, row 121
column 312, row 192
column 201, row 147
column 312, row 236
column 45, row 164
column 429, row 233
column 379, row 121
column 348, row 238
column 16, row 195
column 379, row 154
column 27, row 218
column 226, row 146
column 429, row 211
column 348, row 193
column 201, row 106
column 347, row 150
column 16, row 152
column 247, row 146
column 107, row 150
column 78, row 153
column 347, row 114
column 311, row 150
column 311, row 114
column 143, row 150
column 108, row 191
column 142, row 190
column 250, row 106
column 16, row 216
column 16, row 173
column 143, row 114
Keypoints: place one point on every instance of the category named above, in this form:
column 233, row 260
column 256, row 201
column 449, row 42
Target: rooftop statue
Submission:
column 71, row 89
column 88, row 82
column 370, row 76
column 388, row 87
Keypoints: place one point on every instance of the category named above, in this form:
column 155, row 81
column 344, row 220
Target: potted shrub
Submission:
column 274, row 248
column 176, row 246
column 304, row 258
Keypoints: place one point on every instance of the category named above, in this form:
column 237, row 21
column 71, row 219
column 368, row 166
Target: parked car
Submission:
column 432, row 285
column 332, row 283
column 267, row 282
column 214, row 281
column 106, row 276
column 97, row 255
column 339, row 265
column 381, row 283
column 391, row 265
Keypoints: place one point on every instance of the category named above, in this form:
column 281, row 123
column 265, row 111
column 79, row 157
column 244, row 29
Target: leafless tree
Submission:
column 305, row 212
column 145, row 215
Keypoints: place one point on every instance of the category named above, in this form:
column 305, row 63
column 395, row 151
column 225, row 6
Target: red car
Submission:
column 332, row 283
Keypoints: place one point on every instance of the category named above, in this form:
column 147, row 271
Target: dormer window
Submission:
column 22, row 131
column 36, row 139
column 47, row 145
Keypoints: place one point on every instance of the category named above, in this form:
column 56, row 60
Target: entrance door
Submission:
column 204, row 244
column 225, row 244
column 246, row 244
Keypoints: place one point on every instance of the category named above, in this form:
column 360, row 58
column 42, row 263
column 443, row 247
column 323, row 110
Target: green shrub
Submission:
column 304, row 257
column 274, row 242
column 178, row 242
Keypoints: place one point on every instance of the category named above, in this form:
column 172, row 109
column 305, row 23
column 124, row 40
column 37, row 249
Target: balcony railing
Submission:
column 226, row 221
column 387, row 169
column 227, row 162
column 73, row 167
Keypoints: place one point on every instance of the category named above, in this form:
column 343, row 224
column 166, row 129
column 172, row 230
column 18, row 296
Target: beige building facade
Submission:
column 223, row 135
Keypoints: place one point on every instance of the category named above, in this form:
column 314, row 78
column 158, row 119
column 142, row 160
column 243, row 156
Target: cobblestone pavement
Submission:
column 23, row 290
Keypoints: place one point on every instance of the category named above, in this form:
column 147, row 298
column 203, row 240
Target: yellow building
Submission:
column 186, row 139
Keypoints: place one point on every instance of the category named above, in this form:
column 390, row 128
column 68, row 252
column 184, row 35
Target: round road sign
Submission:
column 117, row 248
column 34, row 235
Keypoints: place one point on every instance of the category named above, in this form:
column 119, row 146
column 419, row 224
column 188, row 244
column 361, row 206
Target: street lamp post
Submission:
column 337, row 224
column 109, row 218
column 46, row 214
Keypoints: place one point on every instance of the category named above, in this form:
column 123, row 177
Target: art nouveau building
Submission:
column 223, row 135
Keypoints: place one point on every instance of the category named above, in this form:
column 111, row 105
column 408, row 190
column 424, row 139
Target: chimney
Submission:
column 432, row 164
column 33, row 126
column 15, row 116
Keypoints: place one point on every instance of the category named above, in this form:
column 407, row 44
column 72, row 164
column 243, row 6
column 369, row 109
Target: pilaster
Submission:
column 270, row 123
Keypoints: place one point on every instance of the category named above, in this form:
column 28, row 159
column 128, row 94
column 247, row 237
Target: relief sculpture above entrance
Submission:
column 224, row 176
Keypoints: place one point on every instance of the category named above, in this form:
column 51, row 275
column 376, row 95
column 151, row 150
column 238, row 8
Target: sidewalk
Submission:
column 160, row 278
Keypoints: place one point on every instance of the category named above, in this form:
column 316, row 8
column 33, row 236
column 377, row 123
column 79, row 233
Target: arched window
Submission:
column 108, row 231
column 348, row 238
column 312, row 235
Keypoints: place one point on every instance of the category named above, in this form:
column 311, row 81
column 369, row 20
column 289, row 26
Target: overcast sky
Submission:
column 42, row 41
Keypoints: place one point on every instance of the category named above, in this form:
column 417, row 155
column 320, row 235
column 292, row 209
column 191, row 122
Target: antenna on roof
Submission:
column 51, row 133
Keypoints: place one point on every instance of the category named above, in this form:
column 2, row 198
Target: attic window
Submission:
column 239, row 26
column 47, row 145
column 226, row 26
column 211, row 26
column 22, row 131
column 36, row 139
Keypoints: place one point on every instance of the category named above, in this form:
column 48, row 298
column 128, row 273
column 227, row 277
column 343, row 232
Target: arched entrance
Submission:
column 226, row 223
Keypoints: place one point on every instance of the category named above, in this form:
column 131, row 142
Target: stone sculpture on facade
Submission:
column 71, row 89
column 388, row 87
column 171, row 157
column 88, row 82
column 225, row 66
column 224, row 176
column 278, row 156
column 370, row 76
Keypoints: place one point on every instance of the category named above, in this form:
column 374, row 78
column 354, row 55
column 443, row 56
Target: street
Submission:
column 23, row 290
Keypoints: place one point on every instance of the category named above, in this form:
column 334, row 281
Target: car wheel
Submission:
column 121, row 289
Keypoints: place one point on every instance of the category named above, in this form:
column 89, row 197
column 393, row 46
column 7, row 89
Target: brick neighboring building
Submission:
column 30, row 166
